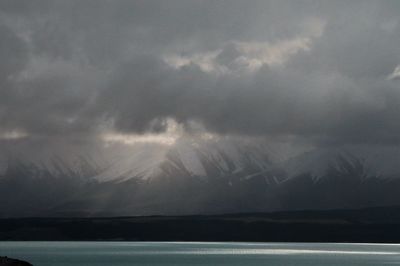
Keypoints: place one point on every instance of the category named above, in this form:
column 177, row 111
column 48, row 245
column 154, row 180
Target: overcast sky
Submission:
column 319, row 72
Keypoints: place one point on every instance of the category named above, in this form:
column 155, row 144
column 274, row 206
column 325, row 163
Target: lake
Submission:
column 177, row 253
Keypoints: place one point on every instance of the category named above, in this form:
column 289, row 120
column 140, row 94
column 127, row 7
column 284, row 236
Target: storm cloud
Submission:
column 316, row 71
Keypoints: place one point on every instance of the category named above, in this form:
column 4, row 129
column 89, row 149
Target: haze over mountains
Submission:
column 198, row 177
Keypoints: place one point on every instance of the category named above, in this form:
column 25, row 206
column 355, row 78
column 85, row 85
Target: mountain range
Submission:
column 196, row 177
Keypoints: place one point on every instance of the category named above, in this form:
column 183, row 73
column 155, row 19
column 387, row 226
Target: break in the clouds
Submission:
column 322, row 72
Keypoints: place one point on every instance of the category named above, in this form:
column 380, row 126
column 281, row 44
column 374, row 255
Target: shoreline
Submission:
column 6, row 261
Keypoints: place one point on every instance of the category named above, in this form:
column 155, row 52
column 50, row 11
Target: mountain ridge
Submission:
column 195, row 179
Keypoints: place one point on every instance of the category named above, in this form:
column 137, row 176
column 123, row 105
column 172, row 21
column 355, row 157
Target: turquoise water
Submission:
column 159, row 253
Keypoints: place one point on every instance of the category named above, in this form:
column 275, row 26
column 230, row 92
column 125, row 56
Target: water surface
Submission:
column 161, row 253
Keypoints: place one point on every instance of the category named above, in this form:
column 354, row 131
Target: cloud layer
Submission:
column 320, row 72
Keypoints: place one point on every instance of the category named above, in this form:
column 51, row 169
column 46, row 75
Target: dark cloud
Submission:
column 318, row 71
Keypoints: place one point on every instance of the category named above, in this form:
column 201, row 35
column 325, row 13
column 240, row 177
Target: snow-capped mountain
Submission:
column 202, row 159
column 378, row 161
column 195, row 176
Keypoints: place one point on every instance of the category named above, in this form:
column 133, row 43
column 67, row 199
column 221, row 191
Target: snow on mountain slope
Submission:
column 195, row 176
column 58, row 162
column 201, row 158
column 377, row 161
column 81, row 167
column 140, row 161
column 196, row 158
column 191, row 157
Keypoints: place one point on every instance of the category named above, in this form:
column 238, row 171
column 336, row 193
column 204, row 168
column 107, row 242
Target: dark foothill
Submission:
column 5, row 261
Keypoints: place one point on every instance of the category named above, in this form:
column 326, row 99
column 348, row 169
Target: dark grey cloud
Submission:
column 320, row 71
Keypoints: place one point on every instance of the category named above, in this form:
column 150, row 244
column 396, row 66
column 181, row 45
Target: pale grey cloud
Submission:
column 321, row 72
